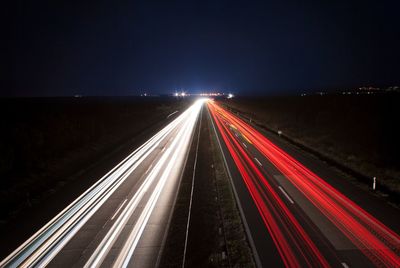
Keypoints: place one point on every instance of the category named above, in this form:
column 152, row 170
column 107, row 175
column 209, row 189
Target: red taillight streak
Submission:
column 275, row 210
column 294, row 233
column 344, row 213
column 277, row 236
column 361, row 236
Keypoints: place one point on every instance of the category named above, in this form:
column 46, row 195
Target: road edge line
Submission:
column 161, row 251
column 191, row 191
column 245, row 224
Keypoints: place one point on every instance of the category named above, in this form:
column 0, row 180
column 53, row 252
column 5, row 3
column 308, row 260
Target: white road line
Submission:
column 287, row 196
column 258, row 162
column 345, row 265
column 236, row 135
column 172, row 114
column 245, row 146
column 119, row 208
column 191, row 193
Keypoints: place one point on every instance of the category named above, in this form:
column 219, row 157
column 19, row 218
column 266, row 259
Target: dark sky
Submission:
column 266, row 47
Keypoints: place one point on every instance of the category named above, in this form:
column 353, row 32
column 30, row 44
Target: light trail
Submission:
column 158, row 175
column 376, row 241
column 45, row 244
column 119, row 208
column 293, row 244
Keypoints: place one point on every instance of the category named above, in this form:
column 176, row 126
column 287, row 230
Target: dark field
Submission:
column 359, row 133
column 46, row 142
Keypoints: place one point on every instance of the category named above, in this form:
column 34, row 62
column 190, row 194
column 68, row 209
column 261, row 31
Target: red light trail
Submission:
column 376, row 241
column 272, row 209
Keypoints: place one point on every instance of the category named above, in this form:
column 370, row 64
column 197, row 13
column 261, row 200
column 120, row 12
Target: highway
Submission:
column 120, row 221
column 297, row 212
column 297, row 216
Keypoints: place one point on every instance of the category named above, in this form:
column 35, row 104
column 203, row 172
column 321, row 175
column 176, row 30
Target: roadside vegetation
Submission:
column 358, row 134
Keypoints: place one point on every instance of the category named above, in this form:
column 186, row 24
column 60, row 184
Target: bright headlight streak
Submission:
column 48, row 241
column 129, row 247
column 101, row 251
column 88, row 209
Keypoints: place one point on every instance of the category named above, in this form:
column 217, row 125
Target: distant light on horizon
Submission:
column 181, row 94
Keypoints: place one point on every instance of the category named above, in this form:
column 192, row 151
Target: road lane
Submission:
column 292, row 242
column 316, row 204
column 94, row 221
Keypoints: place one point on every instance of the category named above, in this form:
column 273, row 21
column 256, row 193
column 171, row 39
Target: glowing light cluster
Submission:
column 212, row 94
column 181, row 94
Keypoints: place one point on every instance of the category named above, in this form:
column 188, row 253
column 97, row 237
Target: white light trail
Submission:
column 179, row 146
column 45, row 244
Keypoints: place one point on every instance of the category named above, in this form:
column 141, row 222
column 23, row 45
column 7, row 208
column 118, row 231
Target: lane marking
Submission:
column 191, row 192
column 119, row 208
column 244, row 145
column 345, row 265
column 236, row 135
column 255, row 158
column 285, row 194
column 172, row 114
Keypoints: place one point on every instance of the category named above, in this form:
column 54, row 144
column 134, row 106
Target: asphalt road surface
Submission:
column 299, row 212
column 121, row 221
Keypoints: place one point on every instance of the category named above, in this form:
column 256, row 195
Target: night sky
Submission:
column 56, row 48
